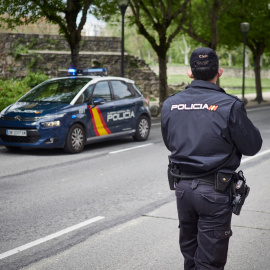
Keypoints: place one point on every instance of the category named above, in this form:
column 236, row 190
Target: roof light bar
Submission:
column 90, row 71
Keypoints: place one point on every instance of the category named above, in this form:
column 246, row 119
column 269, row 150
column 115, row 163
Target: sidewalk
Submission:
column 250, row 98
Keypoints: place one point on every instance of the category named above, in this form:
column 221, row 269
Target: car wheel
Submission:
column 142, row 129
column 75, row 139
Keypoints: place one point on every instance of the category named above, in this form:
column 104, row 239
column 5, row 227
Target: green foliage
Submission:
column 11, row 90
column 19, row 50
column 33, row 79
column 33, row 42
column 82, row 43
column 32, row 64
column 158, row 23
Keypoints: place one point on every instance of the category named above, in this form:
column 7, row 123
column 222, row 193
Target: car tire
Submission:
column 142, row 129
column 75, row 140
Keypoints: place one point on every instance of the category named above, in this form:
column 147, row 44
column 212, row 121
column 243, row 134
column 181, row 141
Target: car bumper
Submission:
column 36, row 137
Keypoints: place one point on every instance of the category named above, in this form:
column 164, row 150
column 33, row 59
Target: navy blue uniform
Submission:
column 201, row 126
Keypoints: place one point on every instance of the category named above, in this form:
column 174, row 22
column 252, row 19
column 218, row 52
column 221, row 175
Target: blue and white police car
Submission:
column 70, row 112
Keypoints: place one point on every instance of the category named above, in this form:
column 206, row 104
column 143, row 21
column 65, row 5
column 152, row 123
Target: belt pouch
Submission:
column 222, row 181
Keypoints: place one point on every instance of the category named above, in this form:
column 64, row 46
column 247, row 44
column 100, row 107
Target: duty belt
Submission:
column 208, row 178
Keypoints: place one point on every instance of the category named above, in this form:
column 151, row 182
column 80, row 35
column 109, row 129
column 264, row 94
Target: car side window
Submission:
column 85, row 96
column 121, row 90
column 87, row 93
column 102, row 90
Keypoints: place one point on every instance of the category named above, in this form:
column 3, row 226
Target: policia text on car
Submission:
column 207, row 131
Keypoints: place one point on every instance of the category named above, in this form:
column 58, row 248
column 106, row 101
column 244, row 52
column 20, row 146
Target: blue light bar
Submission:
column 95, row 70
column 90, row 71
column 72, row 71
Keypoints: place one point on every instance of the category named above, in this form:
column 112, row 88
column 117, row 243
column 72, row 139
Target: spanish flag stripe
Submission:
column 93, row 121
column 100, row 128
column 99, row 124
column 103, row 122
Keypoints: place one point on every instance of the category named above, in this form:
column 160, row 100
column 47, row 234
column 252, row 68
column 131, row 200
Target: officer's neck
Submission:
column 214, row 80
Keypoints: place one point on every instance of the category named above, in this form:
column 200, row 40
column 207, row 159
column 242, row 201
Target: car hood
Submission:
column 35, row 108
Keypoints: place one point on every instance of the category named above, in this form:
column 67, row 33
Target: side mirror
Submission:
column 98, row 101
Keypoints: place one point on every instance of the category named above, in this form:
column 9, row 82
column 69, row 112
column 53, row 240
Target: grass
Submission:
column 232, row 85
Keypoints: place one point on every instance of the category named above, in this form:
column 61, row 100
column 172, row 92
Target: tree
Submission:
column 159, row 21
column 202, row 20
column 69, row 15
column 258, row 38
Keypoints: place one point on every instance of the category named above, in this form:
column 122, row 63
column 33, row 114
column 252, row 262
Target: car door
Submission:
column 100, row 107
column 125, row 106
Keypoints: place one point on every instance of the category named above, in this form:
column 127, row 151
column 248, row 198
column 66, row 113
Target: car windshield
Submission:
column 61, row 90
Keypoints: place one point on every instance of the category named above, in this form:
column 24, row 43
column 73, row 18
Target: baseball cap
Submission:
column 207, row 55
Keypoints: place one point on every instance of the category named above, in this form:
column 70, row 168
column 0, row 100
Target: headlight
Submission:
column 51, row 124
column 53, row 116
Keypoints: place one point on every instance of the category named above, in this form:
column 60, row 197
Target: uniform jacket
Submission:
column 201, row 126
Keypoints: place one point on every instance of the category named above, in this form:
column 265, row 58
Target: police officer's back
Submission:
column 205, row 128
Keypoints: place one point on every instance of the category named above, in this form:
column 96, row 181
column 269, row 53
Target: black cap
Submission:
column 207, row 55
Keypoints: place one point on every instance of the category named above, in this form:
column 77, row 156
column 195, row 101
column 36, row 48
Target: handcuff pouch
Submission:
column 222, row 181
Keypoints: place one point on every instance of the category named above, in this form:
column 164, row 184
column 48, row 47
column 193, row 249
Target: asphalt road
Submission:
column 53, row 204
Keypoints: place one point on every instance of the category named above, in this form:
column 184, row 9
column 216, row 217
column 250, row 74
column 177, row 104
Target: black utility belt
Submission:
column 236, row 181
column 220, row 180
column 207, row 179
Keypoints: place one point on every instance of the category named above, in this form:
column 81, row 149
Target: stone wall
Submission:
column 11, row 41
column 50, row 54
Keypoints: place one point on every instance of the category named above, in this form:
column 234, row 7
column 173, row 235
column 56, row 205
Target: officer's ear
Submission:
column 220, row 72
column 190, row 75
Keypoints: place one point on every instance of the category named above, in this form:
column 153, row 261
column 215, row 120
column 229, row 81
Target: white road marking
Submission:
column 131, row 148
column 49, row 237
column 258, row 155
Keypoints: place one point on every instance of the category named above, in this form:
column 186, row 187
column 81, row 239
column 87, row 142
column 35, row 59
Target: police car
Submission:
column 72, row 111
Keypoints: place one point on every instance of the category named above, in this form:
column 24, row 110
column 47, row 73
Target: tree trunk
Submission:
column 75, row 55
column 213, row 24
column 257, row 70
column 163, row 86
column 257, row 52
column 74, row 43
column 186, row 59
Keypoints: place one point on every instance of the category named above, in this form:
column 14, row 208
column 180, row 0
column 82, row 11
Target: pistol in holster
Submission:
column 240, row 191
column 173, row 180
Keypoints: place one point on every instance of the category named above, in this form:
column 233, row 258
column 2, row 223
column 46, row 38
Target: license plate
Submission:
column 12, row 132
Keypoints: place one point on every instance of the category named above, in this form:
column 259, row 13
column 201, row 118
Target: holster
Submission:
column 172, row 180
column 240, row 191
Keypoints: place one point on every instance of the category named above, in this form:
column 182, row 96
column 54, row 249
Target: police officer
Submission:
column 201, row 127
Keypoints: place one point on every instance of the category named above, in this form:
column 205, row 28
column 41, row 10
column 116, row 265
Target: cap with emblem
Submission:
column 203, row 57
